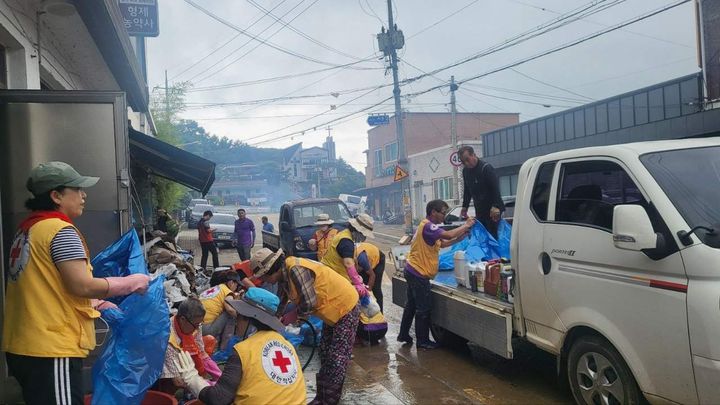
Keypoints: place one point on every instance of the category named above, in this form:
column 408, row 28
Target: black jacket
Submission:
column 481, row 185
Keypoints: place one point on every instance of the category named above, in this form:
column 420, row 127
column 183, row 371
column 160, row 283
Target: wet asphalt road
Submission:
column 392, row 373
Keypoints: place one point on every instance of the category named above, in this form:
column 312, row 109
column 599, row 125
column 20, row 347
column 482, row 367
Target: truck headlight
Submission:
column 299, row 244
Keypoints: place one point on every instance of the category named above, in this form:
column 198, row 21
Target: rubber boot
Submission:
column 407, row 318
column 422, row 332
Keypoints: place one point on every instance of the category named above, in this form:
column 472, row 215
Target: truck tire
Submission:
column 598, row 374
column 447, row 338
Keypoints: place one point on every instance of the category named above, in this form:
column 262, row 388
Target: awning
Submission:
column 170, row 162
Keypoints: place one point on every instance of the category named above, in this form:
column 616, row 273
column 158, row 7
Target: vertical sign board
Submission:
column 140, row 17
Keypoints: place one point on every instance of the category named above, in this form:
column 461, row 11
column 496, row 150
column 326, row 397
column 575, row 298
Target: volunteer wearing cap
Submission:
column 371, row 261
column 323, row 236
column 186, row 336
column 317, row 290
column 52, row 296
column 263, row 368
column 220, row 316
column 341, row 253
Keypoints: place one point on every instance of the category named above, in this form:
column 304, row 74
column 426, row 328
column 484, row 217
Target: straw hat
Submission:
column 262, row 260
column 364, row 224
column 324, row 219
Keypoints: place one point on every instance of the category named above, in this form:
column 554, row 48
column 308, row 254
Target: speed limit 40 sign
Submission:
column 455, row 159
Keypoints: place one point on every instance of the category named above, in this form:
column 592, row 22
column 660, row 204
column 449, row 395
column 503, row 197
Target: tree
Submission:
column 348, row 180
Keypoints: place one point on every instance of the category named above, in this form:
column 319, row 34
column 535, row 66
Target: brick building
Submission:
column 429, row 145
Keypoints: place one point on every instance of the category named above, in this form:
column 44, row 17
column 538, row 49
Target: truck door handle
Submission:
column 545, row 262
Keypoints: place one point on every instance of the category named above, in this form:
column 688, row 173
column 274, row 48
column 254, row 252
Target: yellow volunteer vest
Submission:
column 212, row 300
column 332, row 259
column 372, row 251
column 271, row 371
column 424, row 258
column 323, row 241
column 335, row 295
column 42, row 319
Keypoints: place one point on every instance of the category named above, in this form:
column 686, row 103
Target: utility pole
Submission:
column 453, row 135
column 389, row 42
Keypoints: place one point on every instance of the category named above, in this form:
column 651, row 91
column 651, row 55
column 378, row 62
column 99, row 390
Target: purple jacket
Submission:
column 244, row 233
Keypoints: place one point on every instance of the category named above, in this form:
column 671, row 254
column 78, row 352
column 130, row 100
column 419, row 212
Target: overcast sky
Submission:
column 437, row 33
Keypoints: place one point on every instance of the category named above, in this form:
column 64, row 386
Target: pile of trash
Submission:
column 182, row 277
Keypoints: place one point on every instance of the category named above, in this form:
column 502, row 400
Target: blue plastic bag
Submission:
column 480, row 245
column 307, row 333
column 133, row 357
column 222, row 356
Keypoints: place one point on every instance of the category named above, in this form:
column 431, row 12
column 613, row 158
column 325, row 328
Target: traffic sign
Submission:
column 140, row 17
column 400, row 173
column 455, row 159
column 381, row 119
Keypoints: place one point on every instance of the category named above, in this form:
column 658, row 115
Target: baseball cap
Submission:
column 47, row 176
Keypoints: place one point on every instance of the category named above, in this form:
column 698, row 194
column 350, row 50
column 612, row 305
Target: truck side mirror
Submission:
column 284, row 226
column 632, row 229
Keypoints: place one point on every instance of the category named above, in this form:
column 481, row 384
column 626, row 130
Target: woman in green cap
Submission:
column 52, row 296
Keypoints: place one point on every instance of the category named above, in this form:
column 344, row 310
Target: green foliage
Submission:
column 348, row 180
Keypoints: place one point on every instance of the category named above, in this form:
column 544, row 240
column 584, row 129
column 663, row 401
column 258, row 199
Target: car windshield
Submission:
column 307, row 214
column 691, row 180
column 223, row 219
column 353, row 199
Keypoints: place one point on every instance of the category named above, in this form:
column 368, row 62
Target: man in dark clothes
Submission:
column 481, row 185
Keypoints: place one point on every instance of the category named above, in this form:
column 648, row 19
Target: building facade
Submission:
column 307, row 168
column 429, row 146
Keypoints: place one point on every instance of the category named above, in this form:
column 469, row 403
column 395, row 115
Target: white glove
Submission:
column 186, row 367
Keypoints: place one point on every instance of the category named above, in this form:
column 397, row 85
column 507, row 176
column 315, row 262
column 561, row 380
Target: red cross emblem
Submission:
column 280, row 361
column 15, row 253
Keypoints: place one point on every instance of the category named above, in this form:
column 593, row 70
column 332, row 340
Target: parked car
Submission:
column 354, row 203
column 453, row 220
column 297, row 224
column 224, row 225
column 191, row 205
column 197, row 213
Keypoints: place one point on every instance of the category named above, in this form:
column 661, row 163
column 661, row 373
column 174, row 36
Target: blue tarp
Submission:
column 480, row 246
column 133, row 356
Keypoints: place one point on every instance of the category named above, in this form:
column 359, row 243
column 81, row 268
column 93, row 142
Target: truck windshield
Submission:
column 307, row 215
column 691, row 179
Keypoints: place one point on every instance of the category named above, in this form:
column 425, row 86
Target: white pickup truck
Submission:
column 616, row 253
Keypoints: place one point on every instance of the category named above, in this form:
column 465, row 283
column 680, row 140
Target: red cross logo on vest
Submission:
column 279, row 362
column 19, row 255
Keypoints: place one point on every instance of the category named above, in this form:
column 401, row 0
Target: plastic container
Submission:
column 460, row 268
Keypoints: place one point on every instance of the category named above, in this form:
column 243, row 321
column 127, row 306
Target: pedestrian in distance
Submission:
column 341, row 252
column 244, row 235
column 267, row 226
column 262, row 369
column 480, row 184
column 317, row 290
column 422, row 266
column 186, row 331
column 52, row 298
column 323, row 235
column 167, row 224
column 207, row 242
column 371, row 262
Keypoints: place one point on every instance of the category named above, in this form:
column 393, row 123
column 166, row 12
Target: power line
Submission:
column 514, row 99
column 551, row 85
column 443, row 19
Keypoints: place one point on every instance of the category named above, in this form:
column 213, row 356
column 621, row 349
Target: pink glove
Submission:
column 127, row 285
column 361, row 290
column 212, row 368
column 355, row 278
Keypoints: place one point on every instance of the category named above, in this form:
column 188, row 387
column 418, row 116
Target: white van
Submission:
column 355, row 204
column 616, row 259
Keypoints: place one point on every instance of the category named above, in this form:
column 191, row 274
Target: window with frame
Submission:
column 508, row 185
column 443, row 188
column 378, row 161
column 391, row 152
column 540, row 199
column 589, row 191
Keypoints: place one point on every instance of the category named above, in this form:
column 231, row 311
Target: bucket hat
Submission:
column 259, row 304
column 324, row 219
column 47, row 176
column 262, row 261
column 364, row 224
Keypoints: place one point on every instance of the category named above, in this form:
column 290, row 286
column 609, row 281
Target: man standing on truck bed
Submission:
column 244, row 235
column 422, row 266
column 481, row 185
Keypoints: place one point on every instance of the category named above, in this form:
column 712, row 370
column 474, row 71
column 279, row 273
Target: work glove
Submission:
column 186, row 367
column 357, row 281
column 127, row 285
column 361, row 290
column 212, row 368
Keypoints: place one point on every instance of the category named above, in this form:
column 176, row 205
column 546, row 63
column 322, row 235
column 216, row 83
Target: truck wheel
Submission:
column 598, row 374
column 446, row 338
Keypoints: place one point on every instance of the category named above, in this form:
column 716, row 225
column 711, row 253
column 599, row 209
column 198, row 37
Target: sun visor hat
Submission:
column 48, row 176
column 261, row 305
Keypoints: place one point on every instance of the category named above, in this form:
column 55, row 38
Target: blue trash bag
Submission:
column 447, row 262
column 222, row 356
column 132, row 359
column 480, row 245
column 307, row 333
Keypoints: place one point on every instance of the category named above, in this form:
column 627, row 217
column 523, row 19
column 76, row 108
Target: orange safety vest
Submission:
column 423, row 258
column 335, row 296
column 332, row 259
column 42, row 318
column 372, row 251
column 271, row 371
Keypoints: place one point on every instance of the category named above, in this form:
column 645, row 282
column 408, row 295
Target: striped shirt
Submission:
column 66, row 245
